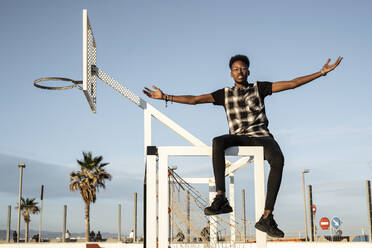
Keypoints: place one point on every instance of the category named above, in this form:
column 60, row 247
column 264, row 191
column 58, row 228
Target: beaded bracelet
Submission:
column 167, row 98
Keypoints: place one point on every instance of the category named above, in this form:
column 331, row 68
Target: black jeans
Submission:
column 272, row 154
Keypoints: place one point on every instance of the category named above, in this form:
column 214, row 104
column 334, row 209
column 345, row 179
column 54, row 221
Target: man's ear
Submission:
column 248, row 72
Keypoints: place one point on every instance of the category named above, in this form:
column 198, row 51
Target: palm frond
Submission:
column 90, row 178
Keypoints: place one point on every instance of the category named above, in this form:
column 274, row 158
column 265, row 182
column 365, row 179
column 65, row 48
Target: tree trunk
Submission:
column 87, row 222
column 26, row 232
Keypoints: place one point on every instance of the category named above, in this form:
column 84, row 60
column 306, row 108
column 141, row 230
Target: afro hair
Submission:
column 239, row 57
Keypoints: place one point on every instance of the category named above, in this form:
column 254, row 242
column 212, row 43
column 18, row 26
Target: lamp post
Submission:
column 303, row 190
column 21, row 166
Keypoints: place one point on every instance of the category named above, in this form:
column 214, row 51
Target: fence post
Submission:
column 119, row 222
column 135, row 218
column 64, row 223
column 310, row 197
column 369, row 209
column 244, row 217
column 8, row 224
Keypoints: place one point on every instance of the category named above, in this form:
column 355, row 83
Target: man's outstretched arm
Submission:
column 294, row 83
column 186, row 99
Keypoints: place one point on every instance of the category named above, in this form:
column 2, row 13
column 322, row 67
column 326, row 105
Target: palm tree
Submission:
column 28, row 206
column 88, row 180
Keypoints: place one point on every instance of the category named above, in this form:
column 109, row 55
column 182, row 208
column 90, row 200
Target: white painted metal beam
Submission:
column 151, row 201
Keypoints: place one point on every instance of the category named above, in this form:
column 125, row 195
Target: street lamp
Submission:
column 21, row 166
column 303, row 190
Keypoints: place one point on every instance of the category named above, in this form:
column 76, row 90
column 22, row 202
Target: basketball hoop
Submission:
column 73, row 85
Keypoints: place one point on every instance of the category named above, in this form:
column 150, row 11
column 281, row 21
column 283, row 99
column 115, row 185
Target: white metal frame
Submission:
column 161, row 159
column 198, row 149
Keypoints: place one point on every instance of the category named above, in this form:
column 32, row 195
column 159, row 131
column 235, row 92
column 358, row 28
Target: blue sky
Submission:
column 183, row 47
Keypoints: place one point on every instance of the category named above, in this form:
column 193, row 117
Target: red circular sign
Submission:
column 324, row 223
column 313, row 208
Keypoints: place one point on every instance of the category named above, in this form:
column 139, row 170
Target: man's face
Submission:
column 239, row 72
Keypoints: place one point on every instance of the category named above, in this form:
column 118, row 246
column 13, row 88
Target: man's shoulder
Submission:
column 264, row 88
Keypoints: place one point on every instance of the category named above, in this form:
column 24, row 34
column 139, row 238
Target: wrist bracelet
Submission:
column 166, row 100
column 322, row 72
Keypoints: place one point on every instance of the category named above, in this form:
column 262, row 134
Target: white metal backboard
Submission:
column 89, row 60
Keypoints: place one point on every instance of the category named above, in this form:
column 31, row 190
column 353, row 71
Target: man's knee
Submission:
column 218, row 141
column 277, row 161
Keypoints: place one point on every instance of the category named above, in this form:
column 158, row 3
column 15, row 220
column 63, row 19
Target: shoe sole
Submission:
column 206, row 212
column 262, row 229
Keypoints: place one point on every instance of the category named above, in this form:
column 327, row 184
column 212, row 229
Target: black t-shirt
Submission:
column 264, row 88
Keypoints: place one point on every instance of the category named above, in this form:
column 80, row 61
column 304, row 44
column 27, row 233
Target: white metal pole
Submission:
column 21, row 166
column 244, row 217
column 41, row 210
column 163, row 199
column 259, row 188
column 119, row 222
column 147, row 129
column 171, row 195
column 305, row 212
column 213, row 225
column 188, row 222
column 151, row 201
column 369, row 209
column 135, row 218
column 64, row 223
column 232, row 214
column 8, row 224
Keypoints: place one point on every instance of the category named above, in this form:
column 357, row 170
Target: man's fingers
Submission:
column 337, row 61
column 146, row 93
column 155, row 87
column 329, row 60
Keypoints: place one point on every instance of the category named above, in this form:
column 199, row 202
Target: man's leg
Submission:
column 274, row 156
column 220, row 204
column 220, row 144
column 272, row 153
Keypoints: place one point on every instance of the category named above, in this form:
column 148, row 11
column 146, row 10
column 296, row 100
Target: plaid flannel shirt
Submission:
column 245, row 108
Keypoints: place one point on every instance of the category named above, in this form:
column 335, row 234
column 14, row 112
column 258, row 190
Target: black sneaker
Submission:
column 220, row 205
column 269, row 226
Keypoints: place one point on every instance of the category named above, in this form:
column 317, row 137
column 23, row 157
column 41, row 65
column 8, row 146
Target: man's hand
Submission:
column 294, row 83
column 186, row 99
column 327, row 68
column 157, row 94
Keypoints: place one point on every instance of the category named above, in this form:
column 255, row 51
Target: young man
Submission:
column 248, row 125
